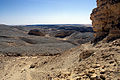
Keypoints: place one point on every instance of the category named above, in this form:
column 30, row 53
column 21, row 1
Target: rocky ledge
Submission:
column 106, row 20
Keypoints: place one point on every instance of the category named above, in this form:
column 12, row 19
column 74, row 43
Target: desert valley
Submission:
column 64, row 51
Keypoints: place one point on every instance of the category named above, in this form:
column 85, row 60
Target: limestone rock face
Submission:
column 106, row 20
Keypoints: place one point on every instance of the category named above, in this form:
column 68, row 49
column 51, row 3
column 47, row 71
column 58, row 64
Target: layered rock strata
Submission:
column 106, row 20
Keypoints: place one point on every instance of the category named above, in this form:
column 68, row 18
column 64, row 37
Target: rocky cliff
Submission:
column 106, row 20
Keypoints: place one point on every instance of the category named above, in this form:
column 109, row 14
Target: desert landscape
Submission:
column 64, row 52
column 43, row 39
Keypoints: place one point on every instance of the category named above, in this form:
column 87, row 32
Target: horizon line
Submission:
column 45, row 24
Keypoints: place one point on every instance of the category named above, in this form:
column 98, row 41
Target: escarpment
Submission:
column 106, row 20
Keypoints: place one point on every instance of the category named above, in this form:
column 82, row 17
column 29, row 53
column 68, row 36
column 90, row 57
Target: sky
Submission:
column 24, row 12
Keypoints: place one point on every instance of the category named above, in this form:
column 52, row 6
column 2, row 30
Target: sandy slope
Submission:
column 86, row 62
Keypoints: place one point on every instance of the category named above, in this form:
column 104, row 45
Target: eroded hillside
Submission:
column 101, row 62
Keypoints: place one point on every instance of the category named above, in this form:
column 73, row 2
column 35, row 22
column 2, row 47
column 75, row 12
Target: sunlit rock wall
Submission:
column 106, row 20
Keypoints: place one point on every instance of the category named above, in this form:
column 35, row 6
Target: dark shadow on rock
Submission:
column 36, row 32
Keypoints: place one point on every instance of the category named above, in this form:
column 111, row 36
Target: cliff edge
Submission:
column 106, row 20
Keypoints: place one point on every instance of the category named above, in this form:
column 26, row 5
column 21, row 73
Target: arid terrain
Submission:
column 30, row 47
column 85, row 62
column 41, row 40
column 64, row 52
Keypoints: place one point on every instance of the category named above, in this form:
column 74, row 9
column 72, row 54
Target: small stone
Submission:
column 85, row 76
column 102, row 71
column 96, row 65
column 81, row 74
column 94, row 76
column 91, row 71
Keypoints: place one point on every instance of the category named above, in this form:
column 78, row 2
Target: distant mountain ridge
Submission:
column 87, row 25
column 76, row 27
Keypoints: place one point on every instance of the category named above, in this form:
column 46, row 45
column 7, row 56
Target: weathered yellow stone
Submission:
column 106, row 17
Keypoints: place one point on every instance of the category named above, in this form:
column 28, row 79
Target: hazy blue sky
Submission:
column 46, row 11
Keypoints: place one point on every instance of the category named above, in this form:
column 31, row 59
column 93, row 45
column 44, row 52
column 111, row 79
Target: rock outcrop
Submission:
column 63, row 33
column 36, row 32
column 106, row 20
